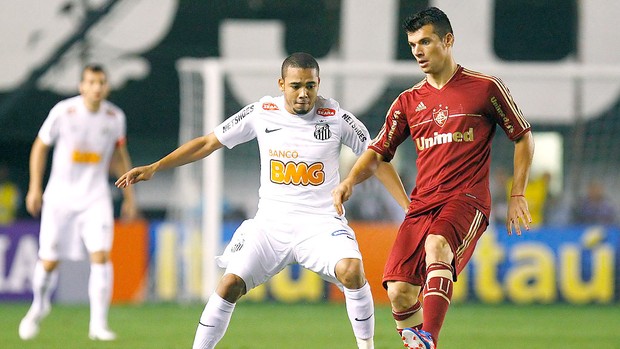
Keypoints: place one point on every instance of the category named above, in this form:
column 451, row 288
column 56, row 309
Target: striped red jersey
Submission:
column 452, row 129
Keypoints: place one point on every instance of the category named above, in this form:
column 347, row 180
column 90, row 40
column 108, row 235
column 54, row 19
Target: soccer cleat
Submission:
column 29, row 326
column 417, row 339
column 101, row 334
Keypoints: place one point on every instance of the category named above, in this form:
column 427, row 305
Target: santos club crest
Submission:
column 322, row 132
column 440, row 115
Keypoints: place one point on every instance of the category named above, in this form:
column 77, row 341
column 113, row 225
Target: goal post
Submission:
column 357, row 86
column 200, row 114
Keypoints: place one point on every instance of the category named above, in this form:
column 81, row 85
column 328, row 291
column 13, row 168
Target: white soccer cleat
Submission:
column 28, row 328
column 101, row 334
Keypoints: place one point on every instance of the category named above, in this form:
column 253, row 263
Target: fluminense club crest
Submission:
column 440, row 115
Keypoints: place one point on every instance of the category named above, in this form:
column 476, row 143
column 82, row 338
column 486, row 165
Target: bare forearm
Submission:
column 365, row 167
column 121, row 163
column 524, row 152
column 195, row 149
column 38, row 161
column 387, row 174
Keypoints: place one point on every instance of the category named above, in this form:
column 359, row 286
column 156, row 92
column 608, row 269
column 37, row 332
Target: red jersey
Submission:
column 453, row 130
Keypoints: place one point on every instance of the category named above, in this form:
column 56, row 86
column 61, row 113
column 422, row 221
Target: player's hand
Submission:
column 340, row 194
column 135, row 175
column 34, row 201
column 518, row 213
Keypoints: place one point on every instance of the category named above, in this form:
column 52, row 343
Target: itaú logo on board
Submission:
column 442, row 138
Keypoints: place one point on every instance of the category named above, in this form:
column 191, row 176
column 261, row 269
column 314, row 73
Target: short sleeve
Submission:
column 394, row 131
column 507, row 114
column 238, row 128
column 48, row 133
column 354, row 133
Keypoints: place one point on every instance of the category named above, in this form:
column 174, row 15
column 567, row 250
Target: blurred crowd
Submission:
column 592, row 206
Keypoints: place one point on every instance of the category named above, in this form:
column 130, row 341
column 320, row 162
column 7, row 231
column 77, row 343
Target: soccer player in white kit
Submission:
column 88, row 135
column 299, row 136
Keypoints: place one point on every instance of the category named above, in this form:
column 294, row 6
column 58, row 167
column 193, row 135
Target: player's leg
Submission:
column 100, row 284
column 45, row 277
column 253, row 263
column 358, row 300
column 408, row 314
column 328, row 247
column 406, row 307
column 403, row 275
column 454, row 232
column 217, row 313
column 44, row 281
column 438, row 287
column 96, row 228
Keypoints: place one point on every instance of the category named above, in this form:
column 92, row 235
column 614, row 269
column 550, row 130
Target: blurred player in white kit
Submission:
column 88, row 136
column 300, row 136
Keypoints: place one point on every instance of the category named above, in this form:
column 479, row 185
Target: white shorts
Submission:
column 268, row 245
column 63, row 230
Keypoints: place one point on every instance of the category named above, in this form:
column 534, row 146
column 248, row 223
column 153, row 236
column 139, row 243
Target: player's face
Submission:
column 94, row 88
column 300, row 87
column 432, row 52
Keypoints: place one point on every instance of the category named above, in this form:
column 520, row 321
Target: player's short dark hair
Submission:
column 300, row 60
column 431, row 15
column 94, row 67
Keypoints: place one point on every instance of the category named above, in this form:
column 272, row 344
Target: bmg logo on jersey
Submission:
column 297, row 173
column 81, row 157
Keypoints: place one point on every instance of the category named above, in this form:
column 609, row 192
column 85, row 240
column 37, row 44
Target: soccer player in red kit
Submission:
column 451, row 116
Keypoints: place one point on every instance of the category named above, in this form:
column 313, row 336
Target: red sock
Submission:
column 437, row 295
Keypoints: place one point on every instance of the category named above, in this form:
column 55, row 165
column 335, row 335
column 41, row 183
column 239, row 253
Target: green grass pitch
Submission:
column 324, row 326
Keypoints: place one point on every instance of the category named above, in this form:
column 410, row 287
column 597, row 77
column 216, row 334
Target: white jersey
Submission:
column 84, row 142
column 299, row 154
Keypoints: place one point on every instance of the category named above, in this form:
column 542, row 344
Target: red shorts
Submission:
column 459, row 222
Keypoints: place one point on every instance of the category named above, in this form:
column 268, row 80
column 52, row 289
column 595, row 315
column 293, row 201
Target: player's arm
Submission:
column 387, row 174
column 38, row 162
column 364, row 168
column 193, row 150
column 518, row 211
column 121, row 163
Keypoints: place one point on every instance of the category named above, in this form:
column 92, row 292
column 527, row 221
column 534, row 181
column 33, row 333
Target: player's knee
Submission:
column 402, row 295
column 350, row 273
column 437, row 249
column 100, row 257
column 231, row 288
column 49, row 266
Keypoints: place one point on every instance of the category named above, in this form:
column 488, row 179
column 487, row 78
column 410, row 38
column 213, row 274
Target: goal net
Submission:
column 578, row 137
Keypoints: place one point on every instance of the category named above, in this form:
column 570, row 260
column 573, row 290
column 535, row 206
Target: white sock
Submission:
column 43, row 285
column 360, row 308
column 213, row 322
column 100, row 293
column 365, row 343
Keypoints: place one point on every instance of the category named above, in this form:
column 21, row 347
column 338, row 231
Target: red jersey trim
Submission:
column 505, row 93
column 473, row 228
